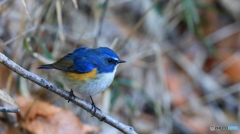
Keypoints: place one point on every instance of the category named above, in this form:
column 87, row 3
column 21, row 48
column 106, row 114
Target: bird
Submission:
column 88, row 71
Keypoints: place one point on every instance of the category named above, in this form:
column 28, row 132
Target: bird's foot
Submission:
column 103, row 119
column 94, row 108
column 71, row 95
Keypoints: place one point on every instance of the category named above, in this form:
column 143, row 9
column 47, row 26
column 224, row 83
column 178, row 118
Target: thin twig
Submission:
column 3, row 2
column 18, row 36
column 105, row 3
column 9, row 110
column 60, row 22
column 138, row 24
column 224, row 32
column 25, row 6
column 221, row 93
column 48, row 85
column 75, row 3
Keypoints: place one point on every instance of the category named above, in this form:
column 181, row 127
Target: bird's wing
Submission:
column 64, row 64
column 83, row 65
column 72, row 64
column 76, row 62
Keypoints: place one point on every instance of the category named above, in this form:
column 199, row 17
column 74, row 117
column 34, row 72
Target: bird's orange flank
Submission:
column 83, row 76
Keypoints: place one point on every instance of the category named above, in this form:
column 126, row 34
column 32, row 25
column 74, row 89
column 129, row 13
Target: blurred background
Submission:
column 181, row 76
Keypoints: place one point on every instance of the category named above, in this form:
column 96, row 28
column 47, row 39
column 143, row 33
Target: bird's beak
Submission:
column 121, row 61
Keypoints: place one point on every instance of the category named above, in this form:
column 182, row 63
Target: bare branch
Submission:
column 48, row 85
column 9, row 110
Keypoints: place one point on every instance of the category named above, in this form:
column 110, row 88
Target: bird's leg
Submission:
column 71, row 95
column 94, row 106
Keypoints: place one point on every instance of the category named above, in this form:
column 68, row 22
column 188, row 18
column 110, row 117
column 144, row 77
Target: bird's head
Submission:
column 107, row 60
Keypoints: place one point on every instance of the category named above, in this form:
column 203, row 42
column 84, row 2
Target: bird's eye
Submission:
column 110, row 60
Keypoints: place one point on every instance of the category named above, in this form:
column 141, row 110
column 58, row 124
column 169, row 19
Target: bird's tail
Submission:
column 47, row 66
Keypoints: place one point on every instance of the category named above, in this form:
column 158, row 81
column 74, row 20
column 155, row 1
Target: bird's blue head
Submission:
column 104, row 59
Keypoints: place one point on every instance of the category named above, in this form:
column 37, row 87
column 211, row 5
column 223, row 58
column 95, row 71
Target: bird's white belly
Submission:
column 93, row 86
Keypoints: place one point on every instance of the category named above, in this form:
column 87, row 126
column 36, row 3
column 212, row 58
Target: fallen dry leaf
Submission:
column 175, row 86
column 43, row 118
column 233, row 70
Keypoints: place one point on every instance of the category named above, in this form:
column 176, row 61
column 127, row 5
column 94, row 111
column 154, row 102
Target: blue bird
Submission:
column 88, row 71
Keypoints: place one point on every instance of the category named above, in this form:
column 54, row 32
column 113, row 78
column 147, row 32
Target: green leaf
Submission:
column 26, row 45
column 115, row 93
column 59, row 83
column 130, row 103
column 125, row 82
column 44, row 47
column 156, row 106
column 191, row 14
